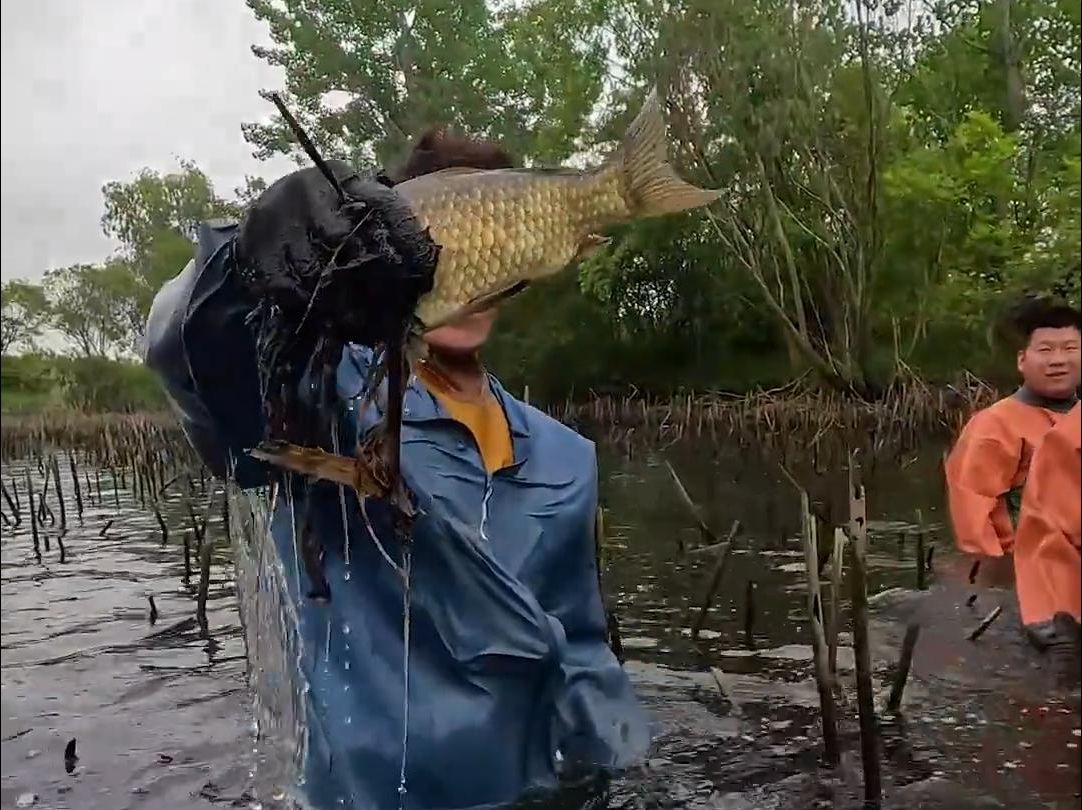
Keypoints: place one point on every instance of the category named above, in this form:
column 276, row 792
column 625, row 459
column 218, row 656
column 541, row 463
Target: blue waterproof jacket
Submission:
column 510, row 674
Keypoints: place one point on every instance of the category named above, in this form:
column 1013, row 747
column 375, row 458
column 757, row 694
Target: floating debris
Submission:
column 70, row 757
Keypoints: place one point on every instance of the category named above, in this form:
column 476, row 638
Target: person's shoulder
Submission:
column 552, row 432
column 992, row 419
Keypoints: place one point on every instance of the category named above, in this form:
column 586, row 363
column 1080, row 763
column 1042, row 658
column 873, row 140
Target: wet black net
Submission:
column 324, row 272
column 325, row 266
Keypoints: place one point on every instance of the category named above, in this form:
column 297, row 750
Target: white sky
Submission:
column 94, row 90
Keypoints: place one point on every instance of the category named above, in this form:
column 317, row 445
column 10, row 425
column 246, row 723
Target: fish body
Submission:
column 500, row 229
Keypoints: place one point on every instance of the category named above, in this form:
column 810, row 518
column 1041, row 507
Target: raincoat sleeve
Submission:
column 597, row 720
column 980, row 471
column 198, row 344
column 1047, row 562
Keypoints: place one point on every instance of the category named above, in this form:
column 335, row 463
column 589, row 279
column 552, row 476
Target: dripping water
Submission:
column 293, row 531
column 406, row 584
column 341, row 504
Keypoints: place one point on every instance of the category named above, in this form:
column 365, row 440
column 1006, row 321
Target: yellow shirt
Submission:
column 484, row 417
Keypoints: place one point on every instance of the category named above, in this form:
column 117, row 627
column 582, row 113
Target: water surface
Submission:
column 162, row 717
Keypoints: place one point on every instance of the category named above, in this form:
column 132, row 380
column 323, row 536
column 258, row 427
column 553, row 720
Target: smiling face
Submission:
column 1050, row 363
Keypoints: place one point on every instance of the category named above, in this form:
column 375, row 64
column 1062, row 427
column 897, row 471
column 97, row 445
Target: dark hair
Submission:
column 1034, row 313
column 439, row 149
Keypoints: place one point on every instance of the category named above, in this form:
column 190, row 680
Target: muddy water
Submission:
column 162, row 717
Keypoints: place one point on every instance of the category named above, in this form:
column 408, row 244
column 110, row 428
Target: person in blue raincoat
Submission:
column 512, row 685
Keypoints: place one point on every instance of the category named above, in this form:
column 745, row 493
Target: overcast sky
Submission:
column 94, row 91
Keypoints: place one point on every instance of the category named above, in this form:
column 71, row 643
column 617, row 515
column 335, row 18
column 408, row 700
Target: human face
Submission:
column 1050, row 364
column 464, row 337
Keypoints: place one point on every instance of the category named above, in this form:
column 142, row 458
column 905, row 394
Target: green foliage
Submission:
column 92, row 306
column 35, row 382
column 99, row 384
column 138, row 212
column 24, row 311
column 366, row 78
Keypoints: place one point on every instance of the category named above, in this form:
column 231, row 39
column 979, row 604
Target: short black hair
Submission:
column 439, row 149
column 1040, row 312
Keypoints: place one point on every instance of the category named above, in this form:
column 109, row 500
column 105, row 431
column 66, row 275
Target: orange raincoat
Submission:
column 1047, row 562
column 988, row 465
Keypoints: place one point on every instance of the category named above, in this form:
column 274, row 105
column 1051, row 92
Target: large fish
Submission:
column 497, row 232
column 500, row 229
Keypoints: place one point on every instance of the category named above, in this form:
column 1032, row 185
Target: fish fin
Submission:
column 480, row 304
column 590, row 245
column 308, row 461
column 653, row 188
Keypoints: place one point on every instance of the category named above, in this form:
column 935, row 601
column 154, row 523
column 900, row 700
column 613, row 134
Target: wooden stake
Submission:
column 837, row 566
column 59, row 494
column 905, row 661
column 922, row 583
column 204, row 585
column 986, row 622
column 820, row 657
column 33, row 515
column 75, row 481
column 187, row 558
column 749, row 613
column 716, row 577
column 15, row 510
column 161, row 523
column 858, row 598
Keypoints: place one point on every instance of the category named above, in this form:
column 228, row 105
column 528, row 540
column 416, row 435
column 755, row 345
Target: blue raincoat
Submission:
column 510, row 674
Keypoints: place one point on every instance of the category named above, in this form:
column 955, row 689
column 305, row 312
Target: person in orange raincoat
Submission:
column 1048, row 565
column 987, row 468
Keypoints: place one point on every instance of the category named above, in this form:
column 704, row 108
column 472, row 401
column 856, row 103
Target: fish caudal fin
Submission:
column 308, row 461
column 652, row 187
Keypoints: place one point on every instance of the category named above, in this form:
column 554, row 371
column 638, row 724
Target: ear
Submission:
column 1021, row 359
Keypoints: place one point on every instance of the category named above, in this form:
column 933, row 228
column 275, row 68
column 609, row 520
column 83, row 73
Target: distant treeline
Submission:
column 38, row 382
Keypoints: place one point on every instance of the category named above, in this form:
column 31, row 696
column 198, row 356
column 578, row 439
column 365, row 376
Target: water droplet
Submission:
column 345, row 664
column 347, row 575
column 349, row 720
column 278, row 794
column 345, row 629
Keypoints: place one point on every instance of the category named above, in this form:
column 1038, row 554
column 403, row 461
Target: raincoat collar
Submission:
column 1031, row 397
column 420, row 405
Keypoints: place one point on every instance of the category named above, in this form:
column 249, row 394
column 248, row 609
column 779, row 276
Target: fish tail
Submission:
column 651, row 187
column 308, row 461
